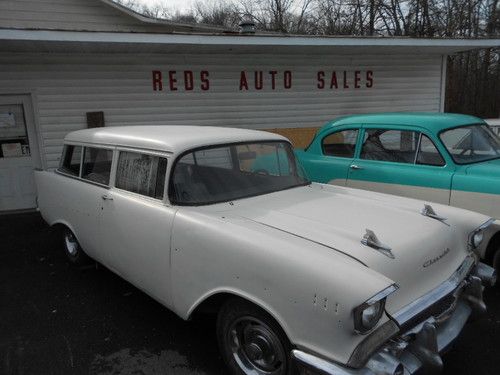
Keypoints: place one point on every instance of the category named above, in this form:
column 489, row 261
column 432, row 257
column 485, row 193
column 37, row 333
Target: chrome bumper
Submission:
column 419, row 348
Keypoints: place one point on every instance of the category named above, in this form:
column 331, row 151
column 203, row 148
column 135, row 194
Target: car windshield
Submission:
column 230, row 172
column 472, row 143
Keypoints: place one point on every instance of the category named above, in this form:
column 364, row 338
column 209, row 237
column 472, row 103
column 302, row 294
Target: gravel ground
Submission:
column 55, row 319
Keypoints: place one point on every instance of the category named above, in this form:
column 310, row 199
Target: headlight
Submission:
column 477, row 238
column 477, row 235
column 368, row 314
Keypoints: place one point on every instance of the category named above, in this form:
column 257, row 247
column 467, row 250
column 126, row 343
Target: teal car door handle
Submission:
column 354, row 166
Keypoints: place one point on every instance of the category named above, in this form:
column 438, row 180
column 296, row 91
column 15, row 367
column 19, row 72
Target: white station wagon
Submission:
column 320, row 277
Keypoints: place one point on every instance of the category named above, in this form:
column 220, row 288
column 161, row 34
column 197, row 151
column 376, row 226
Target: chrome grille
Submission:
column 436, row 310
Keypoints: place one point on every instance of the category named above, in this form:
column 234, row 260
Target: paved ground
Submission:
column 58, row 320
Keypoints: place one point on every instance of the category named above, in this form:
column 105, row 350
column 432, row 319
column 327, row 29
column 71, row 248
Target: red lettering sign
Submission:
column 190, row 81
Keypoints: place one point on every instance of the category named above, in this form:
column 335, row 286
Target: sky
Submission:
column 181, row 5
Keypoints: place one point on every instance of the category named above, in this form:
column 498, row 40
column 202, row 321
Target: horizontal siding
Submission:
column 89, row 15
column 68, row 86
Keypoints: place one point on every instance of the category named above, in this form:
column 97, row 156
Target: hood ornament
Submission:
column 371, row 240
column 429, row 211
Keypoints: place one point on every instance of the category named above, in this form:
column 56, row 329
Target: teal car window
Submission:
column 428, row 154
column 471, row 144
column 399, row 146
column 341, row 144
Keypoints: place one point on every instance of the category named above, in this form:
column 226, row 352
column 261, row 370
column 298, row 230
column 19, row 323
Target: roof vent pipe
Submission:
column 247, row 25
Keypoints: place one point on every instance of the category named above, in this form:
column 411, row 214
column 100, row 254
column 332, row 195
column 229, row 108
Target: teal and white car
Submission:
column 435, row 157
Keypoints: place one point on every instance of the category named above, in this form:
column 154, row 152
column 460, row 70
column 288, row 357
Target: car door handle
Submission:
column 106, row 197
column 354, row 166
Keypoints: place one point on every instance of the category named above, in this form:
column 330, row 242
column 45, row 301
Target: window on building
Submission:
column 70, row 160
column 141, row 173
column 341, row 144
column 97, row 165
column 428, row 154
column 390, row 145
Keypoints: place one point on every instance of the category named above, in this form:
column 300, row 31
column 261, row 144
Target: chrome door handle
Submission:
column 106, row 198
column 354, row 166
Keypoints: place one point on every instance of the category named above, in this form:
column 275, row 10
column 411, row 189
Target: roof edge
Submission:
column 243, row 40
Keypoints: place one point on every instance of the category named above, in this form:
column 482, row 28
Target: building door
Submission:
column 18, row 153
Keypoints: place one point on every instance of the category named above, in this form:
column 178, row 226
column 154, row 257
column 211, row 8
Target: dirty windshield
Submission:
column 229, row 172
column 471, row 144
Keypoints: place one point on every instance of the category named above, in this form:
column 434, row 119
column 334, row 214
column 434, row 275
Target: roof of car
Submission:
column 434, row 122
column 169, row 138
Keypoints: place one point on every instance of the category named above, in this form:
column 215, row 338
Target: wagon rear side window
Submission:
column 71, row 159
column 141, row 173
column 97, row 165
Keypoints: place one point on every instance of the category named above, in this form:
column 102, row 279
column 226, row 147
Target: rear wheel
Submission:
column 251, row 342
column 72, row 249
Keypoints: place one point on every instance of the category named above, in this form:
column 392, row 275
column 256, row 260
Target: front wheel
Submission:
column 251, row 342
column 72, row 249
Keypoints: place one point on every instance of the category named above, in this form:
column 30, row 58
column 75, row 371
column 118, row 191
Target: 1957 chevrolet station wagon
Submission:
column 437, row 157
column 332, row 279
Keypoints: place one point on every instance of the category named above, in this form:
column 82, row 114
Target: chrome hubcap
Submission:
column 71, row 243
column 255, row 347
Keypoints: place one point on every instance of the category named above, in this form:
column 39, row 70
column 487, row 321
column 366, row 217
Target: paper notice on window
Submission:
column 11, row 149
column 7, row 120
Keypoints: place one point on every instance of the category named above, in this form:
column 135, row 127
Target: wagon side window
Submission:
column 97, row 165
column 70, row 160
column 141, row 173
column 428, row 154
column 398, row 146
column 341, row 144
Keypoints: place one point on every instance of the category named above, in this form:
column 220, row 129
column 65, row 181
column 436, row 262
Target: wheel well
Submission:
column 213, row 304
column 492, row 247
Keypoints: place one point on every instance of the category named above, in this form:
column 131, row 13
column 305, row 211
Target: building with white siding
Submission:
column 69, row 64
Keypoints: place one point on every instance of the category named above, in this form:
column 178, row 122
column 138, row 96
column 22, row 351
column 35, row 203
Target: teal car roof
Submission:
column 433, row 122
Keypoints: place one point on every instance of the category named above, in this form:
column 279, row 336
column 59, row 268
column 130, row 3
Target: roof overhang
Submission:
column 68, row 41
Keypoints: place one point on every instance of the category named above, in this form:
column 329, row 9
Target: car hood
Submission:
column 489, row 168
column 426, row 251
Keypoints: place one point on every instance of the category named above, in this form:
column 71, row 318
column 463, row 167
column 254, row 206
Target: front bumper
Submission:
column 418, row 349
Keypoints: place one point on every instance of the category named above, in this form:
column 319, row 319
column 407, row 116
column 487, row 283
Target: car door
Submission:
column 135, row 224
column 401, row 162
column 332, row 156
column 89, row 169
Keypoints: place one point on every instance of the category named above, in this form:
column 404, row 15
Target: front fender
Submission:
column 308, row 288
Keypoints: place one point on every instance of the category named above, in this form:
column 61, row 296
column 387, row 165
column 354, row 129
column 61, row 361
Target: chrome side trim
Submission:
column 427, row 300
